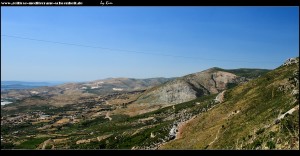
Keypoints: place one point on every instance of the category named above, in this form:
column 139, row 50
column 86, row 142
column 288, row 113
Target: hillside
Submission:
column 244, row 116
column 189, row 87
column 70, row 93
column 121, row 84
column 260, row 114
column 245, row 72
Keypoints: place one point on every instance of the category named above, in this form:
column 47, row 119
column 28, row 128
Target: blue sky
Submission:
column 202, row 37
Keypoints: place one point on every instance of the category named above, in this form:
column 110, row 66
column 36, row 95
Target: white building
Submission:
column 117, row 89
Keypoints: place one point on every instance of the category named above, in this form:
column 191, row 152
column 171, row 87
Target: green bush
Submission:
column 31, row 143
column 231, row 85
column 271, row 134
column 271, row 145
column 7, row 145
column 256, row 143
column 260, row 131
column 289, row 124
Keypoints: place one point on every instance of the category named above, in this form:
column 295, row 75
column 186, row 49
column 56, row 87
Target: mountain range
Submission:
column 212, row 109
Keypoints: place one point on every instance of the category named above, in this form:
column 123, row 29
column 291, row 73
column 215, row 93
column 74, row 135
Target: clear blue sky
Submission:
column 205, row 37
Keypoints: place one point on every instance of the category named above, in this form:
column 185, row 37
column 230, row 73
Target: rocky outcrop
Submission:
column 291, row 61
column 290, row 112
column 189, row 87
column 220, row 97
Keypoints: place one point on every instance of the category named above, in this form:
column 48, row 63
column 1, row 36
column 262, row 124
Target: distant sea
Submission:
column 7, row 85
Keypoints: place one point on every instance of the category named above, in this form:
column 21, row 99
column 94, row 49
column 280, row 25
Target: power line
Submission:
column 132, row 51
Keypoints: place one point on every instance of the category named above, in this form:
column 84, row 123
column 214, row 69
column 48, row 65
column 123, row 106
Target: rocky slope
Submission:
column 191, row 86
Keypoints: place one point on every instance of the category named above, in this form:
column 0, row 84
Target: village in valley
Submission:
column 48, row 118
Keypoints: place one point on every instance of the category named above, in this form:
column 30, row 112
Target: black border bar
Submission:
column 150, row 3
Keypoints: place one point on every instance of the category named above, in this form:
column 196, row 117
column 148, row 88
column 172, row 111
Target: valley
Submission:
column 212, row 109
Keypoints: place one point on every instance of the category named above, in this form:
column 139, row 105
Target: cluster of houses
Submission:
column 86, row 108
column 14, row 120
column 92, row 86
column 24, row 117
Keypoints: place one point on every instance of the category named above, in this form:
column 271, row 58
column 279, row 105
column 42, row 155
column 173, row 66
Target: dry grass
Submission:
column 136, row 109
column 61, row 121
column 247, row 108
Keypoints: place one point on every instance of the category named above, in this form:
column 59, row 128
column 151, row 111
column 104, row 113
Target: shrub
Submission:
column 260, row 131
column 256, row 143
column 271, row 134
column 7, row 145
column 271, row 145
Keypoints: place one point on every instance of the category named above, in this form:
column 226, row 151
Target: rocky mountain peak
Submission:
column 189, row 87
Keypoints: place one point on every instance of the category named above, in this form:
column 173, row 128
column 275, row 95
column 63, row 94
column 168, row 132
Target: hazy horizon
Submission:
column 78, row 44
column 70, row 81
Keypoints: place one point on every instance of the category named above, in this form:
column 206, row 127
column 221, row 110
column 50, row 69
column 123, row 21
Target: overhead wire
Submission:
column 132, row 51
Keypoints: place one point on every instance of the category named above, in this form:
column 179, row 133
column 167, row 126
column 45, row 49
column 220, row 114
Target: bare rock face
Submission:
column 190, row 87
column 291, row 61
column 176, row 93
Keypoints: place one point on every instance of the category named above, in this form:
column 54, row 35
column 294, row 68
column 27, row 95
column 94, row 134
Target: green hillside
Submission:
column 247, row 119
column 246, row 72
